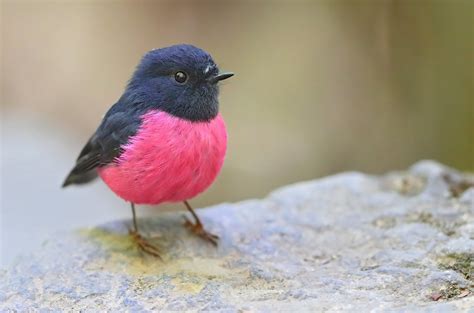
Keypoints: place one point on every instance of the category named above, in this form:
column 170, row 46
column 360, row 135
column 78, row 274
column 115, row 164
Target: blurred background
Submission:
column 321, row 87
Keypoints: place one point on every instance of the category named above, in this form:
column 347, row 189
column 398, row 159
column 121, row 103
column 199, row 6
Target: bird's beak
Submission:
column 220, row 76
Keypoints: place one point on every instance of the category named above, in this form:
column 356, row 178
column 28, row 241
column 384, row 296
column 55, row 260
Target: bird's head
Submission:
column 181, row 80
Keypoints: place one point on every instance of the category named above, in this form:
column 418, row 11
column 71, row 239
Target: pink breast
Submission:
column 168, row 160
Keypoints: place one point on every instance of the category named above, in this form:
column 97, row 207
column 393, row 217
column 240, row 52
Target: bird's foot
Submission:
column 144, row 245
column 198, row 229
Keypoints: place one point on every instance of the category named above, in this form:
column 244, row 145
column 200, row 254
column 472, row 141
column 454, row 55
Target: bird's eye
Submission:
column 180, row 77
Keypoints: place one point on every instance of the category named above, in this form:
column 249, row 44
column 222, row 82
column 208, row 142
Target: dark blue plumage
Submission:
column 195, row 101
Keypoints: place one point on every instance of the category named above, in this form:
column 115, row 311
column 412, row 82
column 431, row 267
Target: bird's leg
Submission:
column 143, row 244
column 197, row 227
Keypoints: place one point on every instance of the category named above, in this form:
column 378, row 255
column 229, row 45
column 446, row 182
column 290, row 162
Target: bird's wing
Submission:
column 83, row 171
column 104, row 145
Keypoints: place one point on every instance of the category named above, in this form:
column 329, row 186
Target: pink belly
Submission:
column 168, row 160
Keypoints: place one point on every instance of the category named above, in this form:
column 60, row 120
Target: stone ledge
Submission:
column 403, row 241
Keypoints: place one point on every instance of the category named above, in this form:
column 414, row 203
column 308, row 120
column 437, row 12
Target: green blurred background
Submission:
column 320, row 87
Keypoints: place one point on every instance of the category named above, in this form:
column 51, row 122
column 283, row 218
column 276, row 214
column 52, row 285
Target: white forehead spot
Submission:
column 208, row 68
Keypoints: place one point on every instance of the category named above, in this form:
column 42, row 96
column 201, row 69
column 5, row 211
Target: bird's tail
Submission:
column 79, row 179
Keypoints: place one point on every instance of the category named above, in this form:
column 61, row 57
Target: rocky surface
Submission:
column 402, row 241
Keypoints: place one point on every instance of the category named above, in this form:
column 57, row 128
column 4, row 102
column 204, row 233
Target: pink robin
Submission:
column 164, row 140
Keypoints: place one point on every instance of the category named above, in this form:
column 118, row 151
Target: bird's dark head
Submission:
column 181, row 80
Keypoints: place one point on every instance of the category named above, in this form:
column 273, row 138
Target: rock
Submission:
column 403, row 241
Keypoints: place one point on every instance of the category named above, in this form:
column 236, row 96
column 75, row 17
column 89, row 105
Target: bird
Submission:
column 164, row 140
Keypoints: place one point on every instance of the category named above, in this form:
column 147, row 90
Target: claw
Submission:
column 144, row 245
column 198, row 229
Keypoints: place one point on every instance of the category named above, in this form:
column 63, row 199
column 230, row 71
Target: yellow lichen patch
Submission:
column 122, row 255
column 186, row 286
column 202, row 267
column 108, row 240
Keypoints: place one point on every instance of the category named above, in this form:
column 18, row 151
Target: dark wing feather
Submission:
column 104, row 146
column 83, row 172
column 87, row 148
